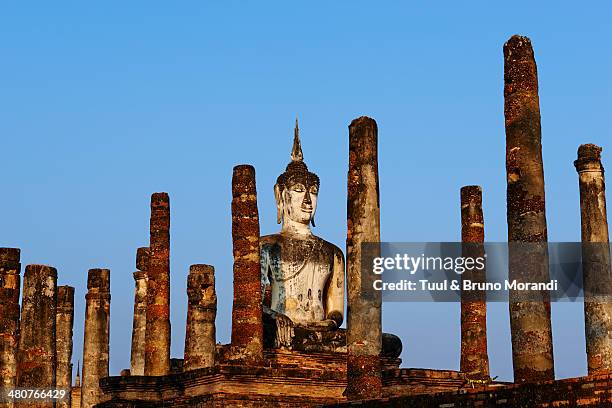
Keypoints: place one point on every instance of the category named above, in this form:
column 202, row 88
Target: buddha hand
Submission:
column 322, row 325
column 284, row 330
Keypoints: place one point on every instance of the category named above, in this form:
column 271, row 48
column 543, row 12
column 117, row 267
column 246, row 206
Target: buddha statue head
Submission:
column 296, row 190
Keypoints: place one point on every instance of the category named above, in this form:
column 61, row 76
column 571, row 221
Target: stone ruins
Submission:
column 287, row 346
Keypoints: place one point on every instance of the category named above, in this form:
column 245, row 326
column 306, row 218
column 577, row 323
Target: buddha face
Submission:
column 298, row 201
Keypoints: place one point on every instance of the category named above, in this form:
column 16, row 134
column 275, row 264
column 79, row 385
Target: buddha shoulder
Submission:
column 276, row 242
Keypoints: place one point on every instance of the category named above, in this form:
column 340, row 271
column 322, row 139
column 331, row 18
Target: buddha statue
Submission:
column 302, row 274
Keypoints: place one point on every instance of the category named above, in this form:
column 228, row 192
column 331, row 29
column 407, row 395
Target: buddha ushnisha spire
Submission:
column 296, row 152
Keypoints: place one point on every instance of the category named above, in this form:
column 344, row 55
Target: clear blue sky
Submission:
column 103, row 104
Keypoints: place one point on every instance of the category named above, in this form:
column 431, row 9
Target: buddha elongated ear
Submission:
column 279, row 204
column 312, row 220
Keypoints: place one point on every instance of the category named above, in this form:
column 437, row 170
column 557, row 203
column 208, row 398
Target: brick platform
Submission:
column 591, row 391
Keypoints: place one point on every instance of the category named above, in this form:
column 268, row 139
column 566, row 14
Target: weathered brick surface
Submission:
column 586, row 392
column 96, row 336
column 247, row 322
column 200, row 336
column 36, row 358
column 532, row 347
column 286, row 379
column 597, row 273
column 75, row 392
column 64, row 323
column 139, row 323
column 10, row 270
column 364, row 333
column 474, row 356
column 157, row 337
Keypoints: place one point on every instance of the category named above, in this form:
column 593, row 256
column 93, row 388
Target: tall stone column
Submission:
column 64, row 320
column 532, row 346
column 75, row 393
column 36, row 357
column 96, row 336
column 364, row 334
column 10, row 270
column 200, row 337
column 247, row 323
column 474, row 355
column 597, row 274
column 157, row 337
column 139, row 325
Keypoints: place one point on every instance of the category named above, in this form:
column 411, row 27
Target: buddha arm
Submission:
column 266, row 290
column 334, row 302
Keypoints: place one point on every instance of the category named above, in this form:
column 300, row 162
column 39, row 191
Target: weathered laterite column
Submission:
column 364, row 334
column 139, row 325
column 36, row 356
column 200, row 336
column 474, row 355
column 597, row 274
column 96, row 336
column 64, row 320
column 75, row 393
column 247, row 324
column 157, row 337
column 10, row 268
column 532, row 347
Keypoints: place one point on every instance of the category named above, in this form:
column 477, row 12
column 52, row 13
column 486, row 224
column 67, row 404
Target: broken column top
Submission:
column 589, row 158
column 363, row 121
column 202, row 274
column 99, row 279
column 160, row 198
column 142, row 258
column 65, row 295
column 10, row 254
column 518, row 46
column 471, row 193
column 243, row 180
column 472, row 221
column 520, row 71
column 40, row 270
column 201, row 286
column 363, row 141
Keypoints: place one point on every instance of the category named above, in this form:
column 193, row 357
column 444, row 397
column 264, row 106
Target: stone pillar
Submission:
column 200, row 336
column 247, row 323
column 137, row 360
column 75, row 393
column 10, row 268
column 64, row 320
column 157, row 337
column 364, row 330
column 36, row 356
column 532, row 346
column 96, row 336
column 474, row 355
column 597, row 274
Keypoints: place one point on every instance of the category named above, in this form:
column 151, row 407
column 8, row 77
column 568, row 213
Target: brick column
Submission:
column 200, row 336
column 247, row 324
column 157, row 337
column 75, row 393
column 139, row 324
column 474, row 355
column 64, row 320
column 36, row 357
column 10, row 270
column 96, row 336
column 532, row 346
column 597, row 273
column 364, row 334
